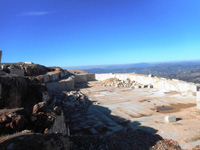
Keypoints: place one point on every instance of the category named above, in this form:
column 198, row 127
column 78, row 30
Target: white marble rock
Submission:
column 170, row 118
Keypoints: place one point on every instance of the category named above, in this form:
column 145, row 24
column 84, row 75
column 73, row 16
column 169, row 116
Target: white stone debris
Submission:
column 114, row 82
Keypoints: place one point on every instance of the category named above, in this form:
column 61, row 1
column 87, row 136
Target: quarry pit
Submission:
column 92, row 106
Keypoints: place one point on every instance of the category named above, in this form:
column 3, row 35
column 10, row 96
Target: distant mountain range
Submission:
column 114, row 66
column 183, row 70
column 145, row 68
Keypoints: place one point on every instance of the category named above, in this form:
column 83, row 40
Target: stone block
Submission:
column 170, row 118
column 81, row 78
column 43, row 78
column 62, row 85
column 46, row 78
column 150, row 75
column 40, row 78
column 54, row 76
column 91, row 77
column 66, row 72
column 61, row 74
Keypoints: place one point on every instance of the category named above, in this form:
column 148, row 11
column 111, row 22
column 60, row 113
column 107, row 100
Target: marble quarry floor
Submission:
column 114, row 109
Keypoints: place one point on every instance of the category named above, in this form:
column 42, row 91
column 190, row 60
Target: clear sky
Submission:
column 97, row 32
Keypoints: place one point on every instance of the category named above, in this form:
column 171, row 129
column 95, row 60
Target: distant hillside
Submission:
column 187, row 71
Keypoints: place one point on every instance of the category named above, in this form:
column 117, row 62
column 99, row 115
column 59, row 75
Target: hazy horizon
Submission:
column 106, row 65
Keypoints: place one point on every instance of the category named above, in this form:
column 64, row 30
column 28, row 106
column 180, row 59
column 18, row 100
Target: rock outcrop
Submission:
column 71, row 102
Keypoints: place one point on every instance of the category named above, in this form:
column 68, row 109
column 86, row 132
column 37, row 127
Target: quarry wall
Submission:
column 157, row 82
column 61, row 85
column 62, row 80
column 160, row 83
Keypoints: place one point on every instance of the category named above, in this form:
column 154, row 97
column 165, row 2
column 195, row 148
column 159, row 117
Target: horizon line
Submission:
column 133, row 63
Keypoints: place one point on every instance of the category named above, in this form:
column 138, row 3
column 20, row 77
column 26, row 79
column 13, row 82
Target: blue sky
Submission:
column 98, row 32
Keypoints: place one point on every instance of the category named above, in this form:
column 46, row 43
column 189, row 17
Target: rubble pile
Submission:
column 114, row 82
column 47, row 119
column 41, row 120
column 166, row 144
column 44, row 119
column 52, row 116
column 71, row 102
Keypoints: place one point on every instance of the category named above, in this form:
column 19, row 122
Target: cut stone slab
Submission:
column 170, row 118
column 61, row 85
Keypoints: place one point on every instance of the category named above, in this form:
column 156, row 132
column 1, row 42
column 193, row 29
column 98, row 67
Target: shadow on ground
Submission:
column 79, row 86
column 96, row 129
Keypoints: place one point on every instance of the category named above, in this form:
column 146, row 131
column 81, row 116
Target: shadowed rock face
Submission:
column 18, row 92
column 122, row 140
column 35, row 69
